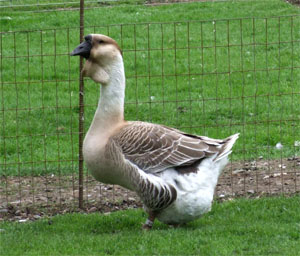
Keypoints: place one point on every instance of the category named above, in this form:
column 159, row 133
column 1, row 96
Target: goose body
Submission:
column 173, row 172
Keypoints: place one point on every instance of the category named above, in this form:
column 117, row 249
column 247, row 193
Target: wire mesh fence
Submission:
column 212, row 78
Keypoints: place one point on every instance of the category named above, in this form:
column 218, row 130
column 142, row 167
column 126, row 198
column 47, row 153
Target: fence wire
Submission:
column 211, row 78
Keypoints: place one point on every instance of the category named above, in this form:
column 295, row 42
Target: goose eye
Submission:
column 100, row 41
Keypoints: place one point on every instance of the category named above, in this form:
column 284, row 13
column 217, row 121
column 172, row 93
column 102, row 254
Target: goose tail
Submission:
column 227, row 146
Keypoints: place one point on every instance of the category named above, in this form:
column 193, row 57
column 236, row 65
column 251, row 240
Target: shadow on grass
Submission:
column 114, row 223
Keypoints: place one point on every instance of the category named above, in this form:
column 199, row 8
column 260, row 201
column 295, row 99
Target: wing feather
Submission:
column 154, row 148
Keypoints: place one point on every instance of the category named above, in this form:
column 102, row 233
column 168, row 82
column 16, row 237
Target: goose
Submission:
column 174, row 173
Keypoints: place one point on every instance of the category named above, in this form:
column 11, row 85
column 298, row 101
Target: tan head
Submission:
column 101, row 53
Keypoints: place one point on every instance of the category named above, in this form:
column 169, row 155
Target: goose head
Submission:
column 102, row 55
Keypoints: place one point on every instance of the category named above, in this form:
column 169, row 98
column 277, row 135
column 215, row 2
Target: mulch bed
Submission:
column 297, row 2
column 30, row 198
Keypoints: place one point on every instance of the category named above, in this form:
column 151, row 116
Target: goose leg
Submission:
column 175, row 225
column 149, row 222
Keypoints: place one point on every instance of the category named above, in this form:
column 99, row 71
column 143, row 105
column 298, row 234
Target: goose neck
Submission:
column 110, row 108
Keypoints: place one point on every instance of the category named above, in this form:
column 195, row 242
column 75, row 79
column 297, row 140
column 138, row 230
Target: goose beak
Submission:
column 83, row 49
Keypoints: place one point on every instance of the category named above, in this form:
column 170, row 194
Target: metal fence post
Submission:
column 81, row 110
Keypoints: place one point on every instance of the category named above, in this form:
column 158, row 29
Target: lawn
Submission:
column 194, row 66
column 266, row 226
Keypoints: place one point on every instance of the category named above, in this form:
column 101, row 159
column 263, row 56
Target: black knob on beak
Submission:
column 83, row 49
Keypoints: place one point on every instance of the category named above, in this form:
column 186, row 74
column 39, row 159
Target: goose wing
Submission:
column 154, row 148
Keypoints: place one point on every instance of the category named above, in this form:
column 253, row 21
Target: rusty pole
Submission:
column 81, row 109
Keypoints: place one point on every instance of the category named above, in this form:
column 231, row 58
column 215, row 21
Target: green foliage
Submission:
column 214, row 78
column 266, row 226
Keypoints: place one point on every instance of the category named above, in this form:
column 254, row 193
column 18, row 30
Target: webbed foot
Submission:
column 149, row 222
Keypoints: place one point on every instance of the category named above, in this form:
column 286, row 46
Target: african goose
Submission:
column 173, row 172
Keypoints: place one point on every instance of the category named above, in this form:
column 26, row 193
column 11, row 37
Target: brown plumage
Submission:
column 154, row 148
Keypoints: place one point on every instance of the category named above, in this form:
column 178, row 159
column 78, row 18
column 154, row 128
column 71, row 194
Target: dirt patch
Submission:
column 260, row 177
column 296, row 2
column 30, row 198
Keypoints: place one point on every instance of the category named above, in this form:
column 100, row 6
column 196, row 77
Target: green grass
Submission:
column 34, row 5
column 266, row 226
column 213, row 78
